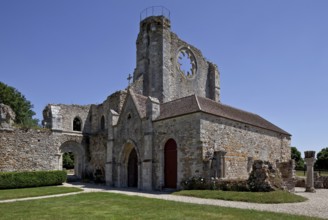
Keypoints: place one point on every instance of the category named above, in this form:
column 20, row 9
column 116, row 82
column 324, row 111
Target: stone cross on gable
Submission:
column 129, row 79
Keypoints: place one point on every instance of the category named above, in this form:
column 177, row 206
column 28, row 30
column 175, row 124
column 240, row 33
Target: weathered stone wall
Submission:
column 60, row 117
column 205, row 81
column 114, row 101
column 26, row 150
column 243, row 144
column 158, row 52
column 287, row 170
column 96, row 155
column 185, row 131
column 128, row 134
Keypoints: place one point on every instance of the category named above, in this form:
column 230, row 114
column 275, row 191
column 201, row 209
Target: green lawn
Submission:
column 255, row 197
column 301, row 173
column 117, row 206
column 37, row 191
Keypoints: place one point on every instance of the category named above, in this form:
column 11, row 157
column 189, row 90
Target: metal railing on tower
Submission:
column 155, row 11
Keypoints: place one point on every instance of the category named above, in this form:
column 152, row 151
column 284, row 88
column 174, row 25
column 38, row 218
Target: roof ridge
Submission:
column 230, row 106
column 196, row 97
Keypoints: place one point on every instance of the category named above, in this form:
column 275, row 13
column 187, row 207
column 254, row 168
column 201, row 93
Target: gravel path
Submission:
column 316, row 205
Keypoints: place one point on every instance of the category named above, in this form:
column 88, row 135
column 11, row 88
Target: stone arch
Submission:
column 77, row 149
column 129, row 150
column 77, row 124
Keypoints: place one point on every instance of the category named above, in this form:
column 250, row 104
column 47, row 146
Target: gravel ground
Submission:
column 316, row 205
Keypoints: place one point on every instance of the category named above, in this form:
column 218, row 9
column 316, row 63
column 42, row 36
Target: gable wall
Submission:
column 126, row 131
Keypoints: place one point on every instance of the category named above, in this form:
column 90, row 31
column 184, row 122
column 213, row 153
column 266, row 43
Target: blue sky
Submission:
column 272, row 55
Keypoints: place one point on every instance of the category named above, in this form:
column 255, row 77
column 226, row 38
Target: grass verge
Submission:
column 37, row 191
column 117, row 206
column 302, row 173
column 255, row 197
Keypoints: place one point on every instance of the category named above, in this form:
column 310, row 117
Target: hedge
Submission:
column 12, row 180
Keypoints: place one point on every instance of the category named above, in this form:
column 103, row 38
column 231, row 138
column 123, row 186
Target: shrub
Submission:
column 11, row 180
column 199, row 183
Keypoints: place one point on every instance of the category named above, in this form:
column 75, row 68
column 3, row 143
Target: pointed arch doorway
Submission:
column 133, row 169
column 170, row 164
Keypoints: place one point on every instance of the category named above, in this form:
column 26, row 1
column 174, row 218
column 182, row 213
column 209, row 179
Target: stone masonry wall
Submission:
column 60, row 117
column 129, row 129
column 243, row 144
column 114, row 102
column 185, row 131
column 26, row 150
column 158, row 52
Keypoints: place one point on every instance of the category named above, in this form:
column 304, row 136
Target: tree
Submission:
column 322, row 159
column 22, row 107
column 297, row 156
column 68, row 160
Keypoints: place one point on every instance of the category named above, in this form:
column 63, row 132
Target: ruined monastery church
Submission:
column 167, row 126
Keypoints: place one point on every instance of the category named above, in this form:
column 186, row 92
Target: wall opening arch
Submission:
column 77, row 124
column 76, row 149
column 129, row 169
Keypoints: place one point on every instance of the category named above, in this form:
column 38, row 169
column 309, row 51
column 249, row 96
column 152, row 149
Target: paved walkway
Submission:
column 316, row 205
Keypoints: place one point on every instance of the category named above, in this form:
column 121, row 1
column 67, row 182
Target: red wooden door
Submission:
column 133, row 169
column 170, row 164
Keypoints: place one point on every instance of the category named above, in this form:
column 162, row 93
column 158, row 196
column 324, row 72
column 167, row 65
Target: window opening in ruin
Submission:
column 102, row 123
column 77, row 124
column 68, row 162
column 186, row 62
column 129, row 116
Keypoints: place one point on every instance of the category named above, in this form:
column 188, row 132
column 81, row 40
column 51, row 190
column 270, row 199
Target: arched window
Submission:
column 77, row 124
column 102, row 123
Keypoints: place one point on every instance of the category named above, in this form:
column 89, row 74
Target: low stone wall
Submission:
column 27, row 150
column 320, row 182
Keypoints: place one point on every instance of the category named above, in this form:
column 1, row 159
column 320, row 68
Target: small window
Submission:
column 102, row 123
column 129, row 116
column 77, row 124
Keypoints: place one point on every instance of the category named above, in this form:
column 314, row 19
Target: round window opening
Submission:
column 186, row 62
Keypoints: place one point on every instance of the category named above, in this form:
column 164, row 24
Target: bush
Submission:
column 12, row 180
column 199, row 183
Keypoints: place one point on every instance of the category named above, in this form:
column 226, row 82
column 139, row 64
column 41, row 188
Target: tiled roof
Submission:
column 192, row 104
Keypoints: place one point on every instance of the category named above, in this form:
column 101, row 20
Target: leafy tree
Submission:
column 68, row 160
column 22, row 107
column 297, row 156
column 322, row 159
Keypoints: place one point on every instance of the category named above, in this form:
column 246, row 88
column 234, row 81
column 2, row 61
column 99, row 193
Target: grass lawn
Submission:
column 117, row 206
column 37, row 191
column 301, row 173
column 255, row 197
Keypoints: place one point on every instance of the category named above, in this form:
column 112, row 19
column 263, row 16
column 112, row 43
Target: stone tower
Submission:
column 160, row 72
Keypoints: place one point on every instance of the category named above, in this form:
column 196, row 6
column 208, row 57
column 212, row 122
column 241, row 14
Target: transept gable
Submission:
column 134, row 105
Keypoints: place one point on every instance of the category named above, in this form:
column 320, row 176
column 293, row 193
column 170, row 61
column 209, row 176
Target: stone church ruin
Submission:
column 167, row 126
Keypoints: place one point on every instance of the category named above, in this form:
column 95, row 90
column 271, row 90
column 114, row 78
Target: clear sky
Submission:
column 272, row 55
